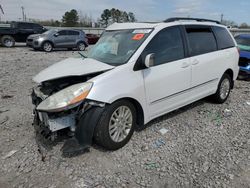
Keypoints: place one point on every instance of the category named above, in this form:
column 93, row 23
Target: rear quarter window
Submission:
column 223, row 37
column 25, row 25
column 201, row 40
column 73, row 32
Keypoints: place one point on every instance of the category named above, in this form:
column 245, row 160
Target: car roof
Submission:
column 20, row 22
column 67, row 29
column 245, row 36
column 148, row 25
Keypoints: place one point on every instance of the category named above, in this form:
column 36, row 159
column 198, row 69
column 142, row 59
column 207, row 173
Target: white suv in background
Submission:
column 135, row 73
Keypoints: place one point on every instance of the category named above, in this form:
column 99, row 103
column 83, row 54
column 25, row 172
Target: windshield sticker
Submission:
column 138, row 36
column 142, row 31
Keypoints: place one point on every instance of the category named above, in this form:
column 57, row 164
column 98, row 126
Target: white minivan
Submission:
column 135, row 73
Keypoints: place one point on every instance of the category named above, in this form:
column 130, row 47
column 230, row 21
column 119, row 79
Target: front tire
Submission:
column 47, row 46
column 8, row 41
column 224, row 89
column 116, row 125
column 81, row 46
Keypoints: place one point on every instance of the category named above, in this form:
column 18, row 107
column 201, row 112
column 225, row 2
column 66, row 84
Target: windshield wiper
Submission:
column 82, row 55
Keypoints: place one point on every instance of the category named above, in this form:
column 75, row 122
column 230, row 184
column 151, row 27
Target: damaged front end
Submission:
column 61, row 105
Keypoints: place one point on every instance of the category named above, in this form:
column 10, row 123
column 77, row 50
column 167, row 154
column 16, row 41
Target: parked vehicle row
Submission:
column 243, row 42
column 135, row 73
column 55, row 38
column 38, row 37
column 18, row 32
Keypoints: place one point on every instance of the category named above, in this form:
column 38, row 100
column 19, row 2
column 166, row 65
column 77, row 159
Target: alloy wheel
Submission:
column 120, row 124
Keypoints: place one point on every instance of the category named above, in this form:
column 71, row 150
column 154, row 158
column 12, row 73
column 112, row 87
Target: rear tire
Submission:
column 47, row 46
column 116, row 125
column 8, row 41
column 224, row 89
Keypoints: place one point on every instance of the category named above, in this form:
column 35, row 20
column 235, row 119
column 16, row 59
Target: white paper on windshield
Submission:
column 142, row 31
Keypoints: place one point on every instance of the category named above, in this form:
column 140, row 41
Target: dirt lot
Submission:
column 206, row 145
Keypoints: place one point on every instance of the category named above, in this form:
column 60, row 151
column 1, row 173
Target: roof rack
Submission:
column 196, row 19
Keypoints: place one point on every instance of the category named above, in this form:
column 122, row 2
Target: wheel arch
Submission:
column 231, row 74
column 49, row 42
column 86, row 45
column 138, row 108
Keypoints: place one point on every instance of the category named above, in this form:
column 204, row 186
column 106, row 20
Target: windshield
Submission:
column 49, row 31
column 243, row 41
column 116, row 47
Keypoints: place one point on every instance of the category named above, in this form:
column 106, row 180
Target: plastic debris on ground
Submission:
column 163, row 131
column 158, row 143
column 9, row 154
column 151, row 165
column 227, row 113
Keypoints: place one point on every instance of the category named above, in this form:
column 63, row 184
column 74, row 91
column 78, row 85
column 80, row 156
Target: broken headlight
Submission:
column 65, row 99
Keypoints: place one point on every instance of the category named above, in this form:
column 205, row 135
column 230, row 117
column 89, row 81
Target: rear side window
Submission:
column 73, row 33
column 63, row 32
column 36, row 26
column 167, row 46
column 201, row 40
column 224, row 39
column 25, row 25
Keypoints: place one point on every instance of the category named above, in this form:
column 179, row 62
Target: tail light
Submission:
column 238, row 50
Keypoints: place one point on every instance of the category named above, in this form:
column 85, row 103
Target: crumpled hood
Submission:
column 71, row 67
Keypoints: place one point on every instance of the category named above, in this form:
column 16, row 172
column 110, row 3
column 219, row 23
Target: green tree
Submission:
column 131, row 17
column 244, row 26
column 125, row 17
column 70, row 19
column 115, row 15
column 105, row 17
column 229, row 23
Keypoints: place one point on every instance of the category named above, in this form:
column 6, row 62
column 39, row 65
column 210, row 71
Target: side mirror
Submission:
column 150, row 60
column 56, row 34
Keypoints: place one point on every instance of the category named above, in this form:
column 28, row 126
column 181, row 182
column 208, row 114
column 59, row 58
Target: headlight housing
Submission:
column 65, row 99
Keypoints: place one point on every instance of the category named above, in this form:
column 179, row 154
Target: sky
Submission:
column 144, row 10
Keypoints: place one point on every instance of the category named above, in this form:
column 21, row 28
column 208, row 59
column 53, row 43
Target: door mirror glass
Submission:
column 150, row 60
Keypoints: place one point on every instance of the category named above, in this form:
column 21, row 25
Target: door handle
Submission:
column 195, row 62
column 185, row 65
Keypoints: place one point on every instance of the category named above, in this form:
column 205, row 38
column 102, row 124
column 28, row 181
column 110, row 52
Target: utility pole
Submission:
column 221, row 18
column 1, row 8
column 23, row 13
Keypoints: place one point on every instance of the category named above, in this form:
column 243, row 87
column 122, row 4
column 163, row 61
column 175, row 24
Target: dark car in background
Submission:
column 243, row 42
column 18, row 32
column 92, row 38
column 58, row 38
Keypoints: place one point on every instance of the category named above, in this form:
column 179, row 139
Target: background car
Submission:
column 92, row 38
column 63, row 38
column 243, row 42
column 18, row 32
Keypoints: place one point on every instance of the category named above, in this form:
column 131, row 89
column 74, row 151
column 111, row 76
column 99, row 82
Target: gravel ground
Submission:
column 206, row 145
